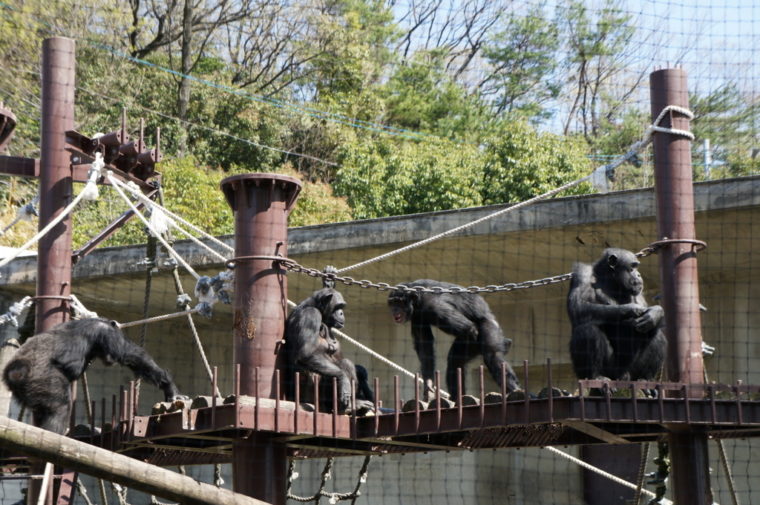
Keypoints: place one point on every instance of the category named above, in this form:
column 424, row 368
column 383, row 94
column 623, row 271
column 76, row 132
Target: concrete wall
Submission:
column 539, row 241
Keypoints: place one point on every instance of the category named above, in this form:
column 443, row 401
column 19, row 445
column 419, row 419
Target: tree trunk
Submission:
column 183, row 100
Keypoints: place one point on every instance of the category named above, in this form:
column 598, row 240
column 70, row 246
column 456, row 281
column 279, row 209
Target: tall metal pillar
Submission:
column 54, row 249
column 55, row 187
column 680, row 285
column 261, row 203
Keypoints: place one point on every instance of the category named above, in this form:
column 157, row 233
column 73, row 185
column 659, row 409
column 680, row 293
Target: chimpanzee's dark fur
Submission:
column 42, row 370
column 310, row 347
column 615, row 334
column 467, row 317
column 363, row 389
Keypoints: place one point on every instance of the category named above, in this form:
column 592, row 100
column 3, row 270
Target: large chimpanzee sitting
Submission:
column 42, row 370
column 467, row 317
column 311, row 348
column 615, row 334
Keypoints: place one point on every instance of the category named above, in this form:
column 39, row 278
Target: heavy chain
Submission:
column 294, row 266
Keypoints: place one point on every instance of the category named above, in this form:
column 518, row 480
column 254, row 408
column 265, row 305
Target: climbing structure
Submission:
column 257, row 431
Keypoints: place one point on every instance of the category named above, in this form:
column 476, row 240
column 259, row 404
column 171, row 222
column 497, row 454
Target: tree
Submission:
column 192, row 191
column 522, row 60
column 420, row 96
column 343, row 81
column 389, row 177
column 600, row 44
column 726, row 117
column 457, row 28
column 521, row 163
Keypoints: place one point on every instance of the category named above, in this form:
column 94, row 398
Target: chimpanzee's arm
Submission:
column 302, row 333
column 450, row 317
column 328, row 369
column 651, row 319
column 424, row 346
column 585, row 305
column 139, row 361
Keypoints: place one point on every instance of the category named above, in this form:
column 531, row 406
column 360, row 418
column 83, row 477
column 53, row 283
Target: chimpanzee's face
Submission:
column 401, row 306
column 331, row 304
column 627, row 274
column 399, row 313
column 336, row 319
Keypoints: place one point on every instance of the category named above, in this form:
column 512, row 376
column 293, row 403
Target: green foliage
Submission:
column 422, row 97
column 523, row 56
column 727, row 118
column 735, row 166
column 354, row 38
column 522, row 163
column 316, row 203
column 393, row 177
column 193, row 192
column 615, row 139
column 15, row 193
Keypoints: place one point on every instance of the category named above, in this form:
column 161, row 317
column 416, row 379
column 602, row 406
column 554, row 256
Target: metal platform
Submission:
column 602, row 412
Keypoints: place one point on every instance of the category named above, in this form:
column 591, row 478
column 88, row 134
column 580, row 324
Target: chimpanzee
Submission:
column 467, row 317
column 615, row 334
column 310, row 347
column 42, row 370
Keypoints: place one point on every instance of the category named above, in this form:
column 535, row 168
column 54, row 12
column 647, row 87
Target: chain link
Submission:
column 647, row 251
column 293, row 266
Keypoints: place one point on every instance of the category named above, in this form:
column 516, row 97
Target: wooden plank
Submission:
column 85, row 458
column 595, row 431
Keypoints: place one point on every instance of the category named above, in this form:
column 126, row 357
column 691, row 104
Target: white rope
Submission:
column 159, row 318
column 15, row 310
column 376, row 355
column 601, row 472
column 24, row 213
column 464, row 226
column 598, row 178
column 197, row 241
column 115, row 183
column 90, row 191
column 60, row 217
column 138, row 194
column 81, row 311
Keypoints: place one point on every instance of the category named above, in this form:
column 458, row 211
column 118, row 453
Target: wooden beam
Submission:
column 596, row 432
column 85, row 458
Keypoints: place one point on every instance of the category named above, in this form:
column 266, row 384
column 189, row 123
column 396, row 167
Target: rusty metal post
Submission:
column 261, row 203
column 54, row 250
column 678, row 272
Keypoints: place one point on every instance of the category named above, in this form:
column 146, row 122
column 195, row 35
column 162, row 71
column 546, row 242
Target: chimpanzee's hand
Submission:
column 633, row 310
column 649, row 319
column 344, row 402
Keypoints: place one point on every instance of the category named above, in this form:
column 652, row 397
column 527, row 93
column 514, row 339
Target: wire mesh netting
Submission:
column 490, row 145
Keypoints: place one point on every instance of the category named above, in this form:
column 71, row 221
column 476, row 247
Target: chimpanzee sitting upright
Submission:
column 467, row 317
column 615, row 334
column 42, row 370
column 310, row 347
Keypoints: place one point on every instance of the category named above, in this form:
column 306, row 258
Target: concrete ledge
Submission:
column 727, row 194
